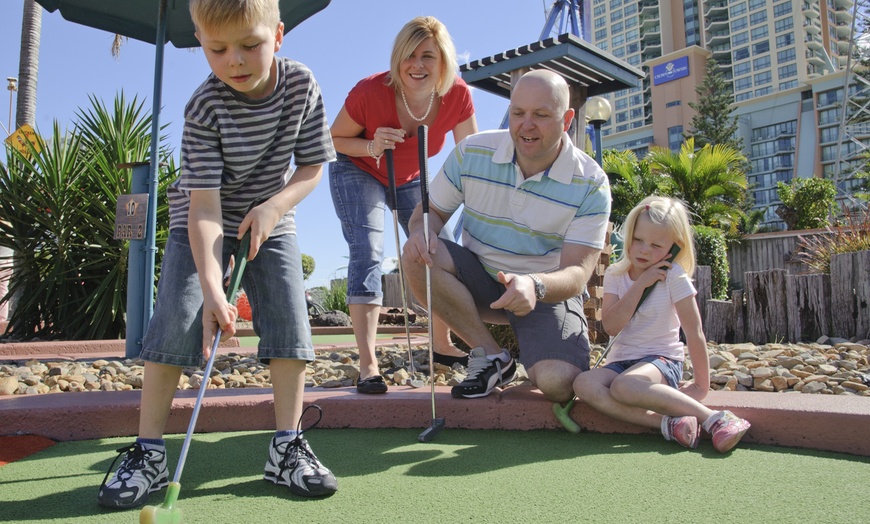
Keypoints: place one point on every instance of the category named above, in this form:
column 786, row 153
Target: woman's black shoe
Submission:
column 447, row 360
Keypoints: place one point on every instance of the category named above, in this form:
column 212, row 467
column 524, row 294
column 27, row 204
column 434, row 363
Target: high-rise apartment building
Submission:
column 785, row 59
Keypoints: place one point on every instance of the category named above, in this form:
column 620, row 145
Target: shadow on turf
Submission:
column 349, row 453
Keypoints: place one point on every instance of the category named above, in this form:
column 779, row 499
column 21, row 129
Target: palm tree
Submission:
column 28, row 65
column 710, row 180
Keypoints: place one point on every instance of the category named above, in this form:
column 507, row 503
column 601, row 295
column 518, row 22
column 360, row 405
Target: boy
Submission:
column 242, row 126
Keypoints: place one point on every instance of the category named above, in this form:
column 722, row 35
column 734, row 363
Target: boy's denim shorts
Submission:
column 360, row 203
column 550, row 332
column 671, row 369
column 274, row 286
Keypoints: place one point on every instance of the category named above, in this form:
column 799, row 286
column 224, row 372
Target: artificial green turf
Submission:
column 322, row 339
column 463, row 476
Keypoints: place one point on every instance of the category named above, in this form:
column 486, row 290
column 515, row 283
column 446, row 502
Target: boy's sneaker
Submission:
column 484, row 375
column 292, row 463
column 142, row 471
column 726, row 428
column 684, row 430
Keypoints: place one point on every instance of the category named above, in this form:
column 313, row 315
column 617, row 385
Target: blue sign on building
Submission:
column 672, row 70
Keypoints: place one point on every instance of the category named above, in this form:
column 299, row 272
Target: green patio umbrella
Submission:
column 156, row 22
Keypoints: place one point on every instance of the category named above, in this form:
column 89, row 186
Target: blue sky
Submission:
column 345, row 42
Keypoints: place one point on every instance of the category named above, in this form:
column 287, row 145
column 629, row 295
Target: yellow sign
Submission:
column 21, row 136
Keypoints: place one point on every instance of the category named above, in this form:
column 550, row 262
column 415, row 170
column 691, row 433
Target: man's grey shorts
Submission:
column 274, row 286
column 550, row 332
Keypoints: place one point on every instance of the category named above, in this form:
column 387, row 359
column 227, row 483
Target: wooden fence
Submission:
column 776, row 306
column 763, row 251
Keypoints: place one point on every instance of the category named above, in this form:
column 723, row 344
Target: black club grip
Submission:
column 423, row 151
column 392, row 196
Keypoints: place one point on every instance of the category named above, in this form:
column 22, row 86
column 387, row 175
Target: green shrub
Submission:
column 853, row 236
column 307, row 266
column 807, row 203
column 336, row 296
column 710, row 251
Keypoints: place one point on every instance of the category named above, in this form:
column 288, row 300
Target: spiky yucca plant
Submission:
column 58, row 216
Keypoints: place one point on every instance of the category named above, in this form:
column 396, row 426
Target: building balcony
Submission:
column 843, row 29
column 715, row 7
column 817, row 61
column 650, row 23
column 650, row 9
column 717, row 23
column 843, row 4
column 815, row 45
column 718, row 38
column 810, row 10
column 812, row 28
column 843, row 16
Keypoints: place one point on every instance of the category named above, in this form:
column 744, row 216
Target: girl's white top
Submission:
column 655, row 328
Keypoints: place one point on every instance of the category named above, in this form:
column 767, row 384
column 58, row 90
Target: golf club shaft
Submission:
column 394, row 198
column 423, row 152
column 235, row 279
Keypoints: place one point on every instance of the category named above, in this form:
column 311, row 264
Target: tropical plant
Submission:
column 807, row 203
column 631, row 180
column 58, row 216
column 710, row 180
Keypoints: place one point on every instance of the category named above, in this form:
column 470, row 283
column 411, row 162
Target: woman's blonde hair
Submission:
column 216, row 14
column 412, row 35
column 662, row 211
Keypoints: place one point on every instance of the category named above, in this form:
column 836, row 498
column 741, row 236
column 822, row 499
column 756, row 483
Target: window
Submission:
column 761, row 63
column 631, row 35
column 740, row 97
column 785, row 40
column 616, row 28
column 738, row 9
column 599, row 10
column 675, row 138
column 630, row 9
column 763, row 78
column 619, row 52
column 755, row 4
column 741, row 54
column 782, row 25
column 633, row 47
column 760, row 47
column 615, row 3
column 616, row 15
column 636, row 112
column 759, row 32
column 742, row 83
column 673, row 103
column 740, row 39
column 601, row 34
column 634, row 60
column 786, row 55
column 788, row 71
column 764, row 91
column 631, row 21
column 742, row 68
column 600, row 22
column 738, row 24
column 621, row 103
column 757, row 18
column 617, row 40
column 781, row 9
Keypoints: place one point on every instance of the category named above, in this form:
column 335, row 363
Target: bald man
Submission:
column 534, row 219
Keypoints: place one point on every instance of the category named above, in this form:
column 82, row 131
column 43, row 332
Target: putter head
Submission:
column 165, row 513
column 432, row 431
column 415, row 383
column 563, row 415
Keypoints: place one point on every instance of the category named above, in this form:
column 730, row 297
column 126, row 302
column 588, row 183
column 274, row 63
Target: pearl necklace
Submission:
column 408, row 109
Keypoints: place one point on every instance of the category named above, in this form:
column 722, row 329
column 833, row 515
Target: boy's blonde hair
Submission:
column 663, row 211
column 216, row 14
column 412, row 35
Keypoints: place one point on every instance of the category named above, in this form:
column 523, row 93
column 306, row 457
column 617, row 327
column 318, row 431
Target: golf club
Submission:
column 393, row 200
column 423, row 150
column 168, row 512
column 563, row 413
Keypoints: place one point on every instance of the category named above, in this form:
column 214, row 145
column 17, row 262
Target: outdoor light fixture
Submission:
column 12, row 86
column 597, row 112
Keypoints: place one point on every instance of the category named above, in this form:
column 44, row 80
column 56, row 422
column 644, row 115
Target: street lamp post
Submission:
column 12, row 86
column 597, row 112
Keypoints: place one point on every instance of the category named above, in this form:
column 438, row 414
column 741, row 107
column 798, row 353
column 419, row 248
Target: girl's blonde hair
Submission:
column 217, row 14
column 662, row 211
column 412, row 35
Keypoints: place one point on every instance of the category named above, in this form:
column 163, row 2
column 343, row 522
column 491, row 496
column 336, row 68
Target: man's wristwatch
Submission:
column 540, row 288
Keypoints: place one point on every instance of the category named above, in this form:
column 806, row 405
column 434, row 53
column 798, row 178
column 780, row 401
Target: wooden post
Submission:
column 809, row 300
column 766, row 316
column 719, row 326
column 738, row 311
column 850, row 294
column 704, row 286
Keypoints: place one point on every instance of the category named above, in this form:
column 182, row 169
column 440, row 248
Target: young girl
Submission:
column 641, row 382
